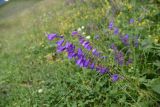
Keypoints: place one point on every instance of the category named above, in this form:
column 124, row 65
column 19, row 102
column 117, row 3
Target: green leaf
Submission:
column 155, row 85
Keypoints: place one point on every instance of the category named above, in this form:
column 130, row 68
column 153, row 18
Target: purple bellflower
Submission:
column 80, row 53
column 87, row 45
column 70, row 48
column 74, row 33
column 116, row 31
column 113, row 46
column 60, row 49
column 125, row 39
column 131, row 21
column 102, row 70
column 51, row 36
column 111, row 25
column 92, row 66
column 114, row 77
column 86, row 63
column 119, row 58
column 60, row 42
column 94, row 52
column 71, row 55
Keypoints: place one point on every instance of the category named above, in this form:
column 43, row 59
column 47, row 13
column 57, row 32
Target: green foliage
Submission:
column 32, row 74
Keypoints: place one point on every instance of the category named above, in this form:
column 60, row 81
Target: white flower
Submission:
column 82, row 27
column 83, row 33
column 79, row 29
column 6, row 0
column 88, row 37
column 40, row 90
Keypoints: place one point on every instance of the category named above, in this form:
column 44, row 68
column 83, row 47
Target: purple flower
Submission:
column 67, row 44
column 113, row 47
column 116, row 31
column 114, row 77
column 80, row 53
column 86, row 63
column 94, row 52
column 60, row 42
column 131, row 21
column 60, row 36
column 111, row 25
column 102, row 70
column 60, row 49
column 81, row 61
column 71, row 55
column 92, row 66
column 119, row 58
column 125, row 39
column 70, row 48
column 52, row 36
column 81, row 40
column 74, row 33
column 88, row 47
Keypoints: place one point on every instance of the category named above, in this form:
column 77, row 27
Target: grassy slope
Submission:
column 21, row 74
column 25, row 70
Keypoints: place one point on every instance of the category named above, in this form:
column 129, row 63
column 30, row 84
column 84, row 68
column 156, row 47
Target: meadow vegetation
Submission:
column 34, row 74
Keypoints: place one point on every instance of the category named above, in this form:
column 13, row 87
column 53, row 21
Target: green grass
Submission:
column 32, row 76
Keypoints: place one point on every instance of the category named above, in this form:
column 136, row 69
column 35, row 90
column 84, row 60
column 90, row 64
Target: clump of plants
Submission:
column 116, row 49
